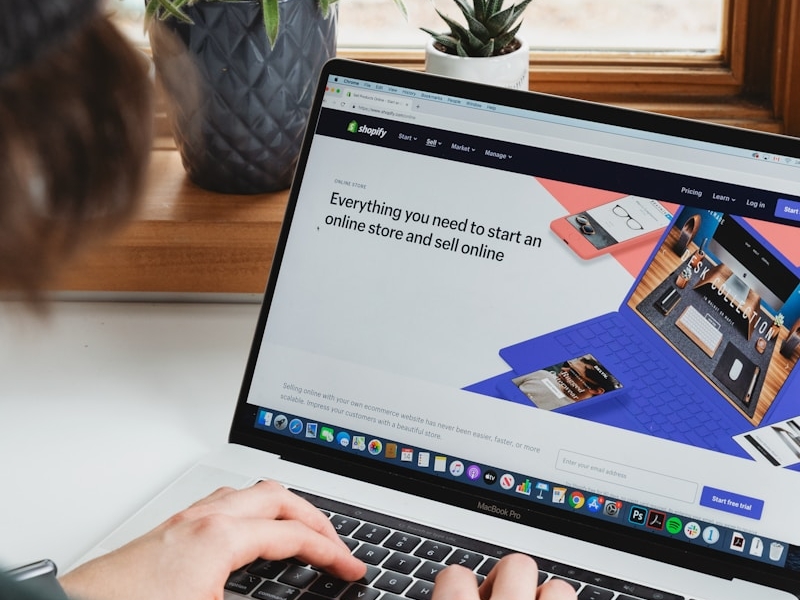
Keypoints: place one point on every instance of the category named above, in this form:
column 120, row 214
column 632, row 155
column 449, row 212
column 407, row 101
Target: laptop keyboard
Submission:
column 403, row 559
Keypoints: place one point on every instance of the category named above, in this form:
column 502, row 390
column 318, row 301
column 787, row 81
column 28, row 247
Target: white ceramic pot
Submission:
column 509, row 70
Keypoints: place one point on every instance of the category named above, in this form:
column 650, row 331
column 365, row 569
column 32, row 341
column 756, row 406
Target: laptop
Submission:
column 416, row 274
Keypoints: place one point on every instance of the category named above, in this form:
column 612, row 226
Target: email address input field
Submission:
column 627, row 476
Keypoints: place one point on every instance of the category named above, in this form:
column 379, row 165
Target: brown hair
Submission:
column 75, row 135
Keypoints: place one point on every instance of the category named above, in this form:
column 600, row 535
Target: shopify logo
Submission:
column 353, row 127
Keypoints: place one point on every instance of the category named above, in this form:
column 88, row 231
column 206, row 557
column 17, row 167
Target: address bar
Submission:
column 376, row 99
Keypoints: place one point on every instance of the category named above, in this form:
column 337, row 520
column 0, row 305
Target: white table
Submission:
column 101, row 405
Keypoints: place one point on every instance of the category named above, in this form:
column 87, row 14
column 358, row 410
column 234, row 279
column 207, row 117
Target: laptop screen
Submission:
column 544, row 310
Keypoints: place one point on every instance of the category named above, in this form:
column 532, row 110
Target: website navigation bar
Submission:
column 550, row 164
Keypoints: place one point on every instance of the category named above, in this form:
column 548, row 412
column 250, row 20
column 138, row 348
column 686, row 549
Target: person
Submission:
column 75, row 116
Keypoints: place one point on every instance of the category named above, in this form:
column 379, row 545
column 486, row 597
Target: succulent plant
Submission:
column 491, row 30
column 164, row 9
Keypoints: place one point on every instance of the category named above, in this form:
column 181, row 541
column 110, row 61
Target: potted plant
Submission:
column 239, row 78
column 487, row 49
column 777, row 323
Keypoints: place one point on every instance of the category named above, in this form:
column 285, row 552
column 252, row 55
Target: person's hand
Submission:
column 515, row 577
column 191, row 555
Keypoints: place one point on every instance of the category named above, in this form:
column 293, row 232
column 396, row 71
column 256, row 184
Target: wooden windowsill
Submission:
column 184, row 240
column 189, row 240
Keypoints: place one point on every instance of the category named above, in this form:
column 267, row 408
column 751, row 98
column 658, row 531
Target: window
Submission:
column 678, row 26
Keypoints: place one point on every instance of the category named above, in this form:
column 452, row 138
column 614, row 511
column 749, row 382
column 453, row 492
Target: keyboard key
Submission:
column 401, row 563
column 268, row 569
column 572, row 582
column 242, row 582
column 487, row 566
column 371, row 533
column 297, row 561
column 298, row 576
column 344, row 525
column 465, row 558
column 328, row 586
column 594, row 593
column 645, row 593
column 429, row 570
column 402, row 542
column 393, row 582
column 372, row 555
column 558, row 568
column 371, row 574
column 349, row 542
column 421, row 590
column 433, row 551
column 360, row 592
column 270, row 590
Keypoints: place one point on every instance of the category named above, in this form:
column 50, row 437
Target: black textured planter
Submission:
column 238, row 109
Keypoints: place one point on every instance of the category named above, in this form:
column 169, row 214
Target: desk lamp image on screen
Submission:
column 612, row 225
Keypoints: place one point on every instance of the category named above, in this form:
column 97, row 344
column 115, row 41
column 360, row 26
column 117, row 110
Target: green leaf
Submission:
column 505, row 39
column 456, row 29
column 500, row 22
column 475, row 51
column 476, row 46
column 493, row 7
column 477, row 28
column 401, row 6
column 518, row 9
column 163, row 9
column 325, row 7
column 271, row 20
column 479, row 9
column 445, row 40
column 487, row 49
column 150, row 10
column 466, row 8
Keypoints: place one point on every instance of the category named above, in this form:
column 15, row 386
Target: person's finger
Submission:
column 557, row 589
column 284, row 504
column 248, row 539
column 266, row 500
column 515, row 577
column 456, row 583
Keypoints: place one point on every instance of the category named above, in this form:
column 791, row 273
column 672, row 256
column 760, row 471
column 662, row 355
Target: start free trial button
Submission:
column 788, row 209
column 732, row 503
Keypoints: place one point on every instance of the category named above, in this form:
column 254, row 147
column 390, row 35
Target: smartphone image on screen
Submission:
column 612, row 225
